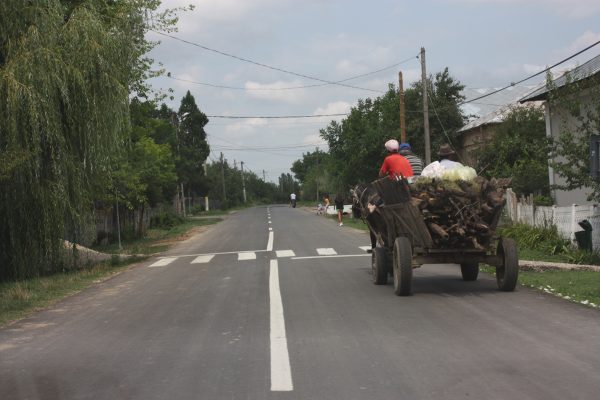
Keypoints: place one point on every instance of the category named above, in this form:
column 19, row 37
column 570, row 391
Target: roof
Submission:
column 487, row 105
column 495, row 117
column 492, row 109
column 586, row 70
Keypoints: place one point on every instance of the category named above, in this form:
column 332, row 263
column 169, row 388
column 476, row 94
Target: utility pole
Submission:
column 425, row 108
column 317, row 177
column 264, row 176
column 402, row 113
column 205, row 197
column 243, row 182
column 223, row 176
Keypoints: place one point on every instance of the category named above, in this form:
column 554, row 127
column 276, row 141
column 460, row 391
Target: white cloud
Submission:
column 570, row 8
column 583, row 41
column 337, row 107
column 315, row 139
column 532, row 69
column 277, row 91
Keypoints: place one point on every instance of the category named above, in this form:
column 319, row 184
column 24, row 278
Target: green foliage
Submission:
column 546, row 239
column 192, row 148
column 165, row 220
column 66, row 71
column 356, row 148
column 519, row 149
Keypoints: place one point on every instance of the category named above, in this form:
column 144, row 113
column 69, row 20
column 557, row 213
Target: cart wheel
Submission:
column 379, row 266
column 507, row 274
column 469, row 270
column 402, row 266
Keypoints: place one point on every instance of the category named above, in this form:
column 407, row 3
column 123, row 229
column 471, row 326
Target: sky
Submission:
column 484, row 43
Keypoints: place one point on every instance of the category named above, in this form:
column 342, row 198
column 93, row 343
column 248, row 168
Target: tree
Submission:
column 356, row 145
column 519, row 149
column 578, row 122
column 66, row 71
column 192, row 148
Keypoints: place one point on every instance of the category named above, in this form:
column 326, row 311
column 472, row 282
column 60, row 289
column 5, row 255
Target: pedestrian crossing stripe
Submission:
column 285, row 253
column 365, row 248
column 246, row 256
column 203, row 259
column 164, row 261
column 326, row 251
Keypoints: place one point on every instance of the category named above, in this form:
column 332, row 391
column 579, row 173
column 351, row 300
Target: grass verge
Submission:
column 157, row 240
column 579, row 286
column 18, row 299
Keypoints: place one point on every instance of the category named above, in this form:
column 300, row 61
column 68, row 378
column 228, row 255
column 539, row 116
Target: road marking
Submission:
column 281, row 373
column 335, row 256
column 270, row 242
column 269, row 221
column 163, row 261
column 365, row 248
column 270, row 229
column 246, row 256
column 285, row 253
column 202, row 259
column 326, row 252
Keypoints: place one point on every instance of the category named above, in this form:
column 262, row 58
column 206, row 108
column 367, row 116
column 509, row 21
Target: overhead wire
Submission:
column 285, row 71
column 169, row 75
column 531, row 76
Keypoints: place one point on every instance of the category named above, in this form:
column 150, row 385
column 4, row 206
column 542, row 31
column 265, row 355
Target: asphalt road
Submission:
column 277, row 303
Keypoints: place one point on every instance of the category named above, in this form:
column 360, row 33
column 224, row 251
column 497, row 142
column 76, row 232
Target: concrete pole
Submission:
column 425, row 108
column 402, row 112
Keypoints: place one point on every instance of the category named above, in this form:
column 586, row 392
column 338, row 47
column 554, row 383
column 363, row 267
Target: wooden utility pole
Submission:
column 243, row 181
column 317, row 177
column 402, row 113
column 425, row 108
column 223, row 176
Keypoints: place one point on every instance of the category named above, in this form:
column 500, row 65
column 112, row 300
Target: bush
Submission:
column 546, row 238
column 165, row 220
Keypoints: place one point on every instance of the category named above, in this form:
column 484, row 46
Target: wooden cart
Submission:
column 405, row 243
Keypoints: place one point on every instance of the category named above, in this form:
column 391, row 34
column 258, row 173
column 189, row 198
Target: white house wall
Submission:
column 554, row 125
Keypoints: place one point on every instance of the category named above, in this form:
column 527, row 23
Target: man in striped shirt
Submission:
column 415, row 162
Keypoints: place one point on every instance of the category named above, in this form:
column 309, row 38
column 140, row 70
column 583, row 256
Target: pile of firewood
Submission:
column 460, row 214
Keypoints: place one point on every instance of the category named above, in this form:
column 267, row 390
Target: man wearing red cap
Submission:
column 395, row 165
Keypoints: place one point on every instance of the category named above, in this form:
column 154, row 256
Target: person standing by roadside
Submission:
column 415, row 162
column 293, row 200
column 339, row 206
column 326, row 203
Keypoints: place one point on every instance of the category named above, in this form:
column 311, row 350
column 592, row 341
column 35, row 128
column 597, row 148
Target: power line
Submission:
column 531, row 76
column 169, row 75
column 261, row 64
column 277, row 117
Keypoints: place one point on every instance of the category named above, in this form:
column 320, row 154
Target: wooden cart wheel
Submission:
column 508, row 273
column 469, row 270
column 379, row 266
column 402, row 266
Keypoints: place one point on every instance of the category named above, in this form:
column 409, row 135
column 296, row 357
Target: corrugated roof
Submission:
column 586, row 70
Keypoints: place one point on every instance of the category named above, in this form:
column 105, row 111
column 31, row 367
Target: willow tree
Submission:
column 66, row 71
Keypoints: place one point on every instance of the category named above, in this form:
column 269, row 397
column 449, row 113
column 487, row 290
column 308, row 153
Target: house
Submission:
column 557, row 117
column 486, row 115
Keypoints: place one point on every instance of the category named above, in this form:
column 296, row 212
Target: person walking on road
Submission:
column 339, row 206
column 293, row 200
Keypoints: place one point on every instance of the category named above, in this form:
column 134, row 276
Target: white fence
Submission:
column 566, row 219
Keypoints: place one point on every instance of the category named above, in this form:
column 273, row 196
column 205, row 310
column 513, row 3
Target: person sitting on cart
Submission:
column 415, row 162
column 395, row 165
column 447, row 161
